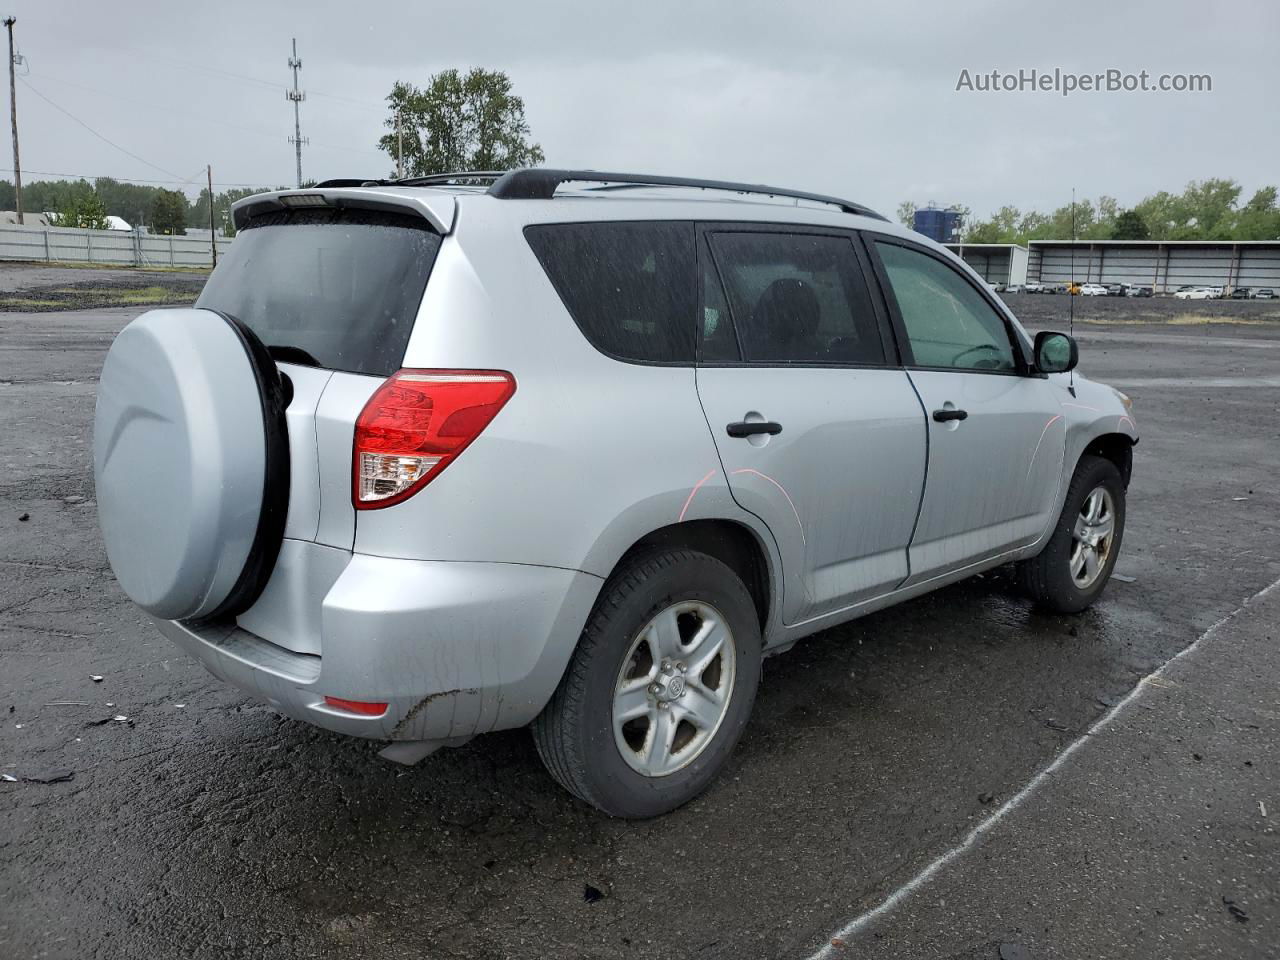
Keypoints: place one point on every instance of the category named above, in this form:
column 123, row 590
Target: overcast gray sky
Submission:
column 854, row 99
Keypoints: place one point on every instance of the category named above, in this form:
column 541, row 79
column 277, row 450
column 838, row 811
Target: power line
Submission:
column 248, row 79
column 199, row 121
column 91, row 176
column 112, row 143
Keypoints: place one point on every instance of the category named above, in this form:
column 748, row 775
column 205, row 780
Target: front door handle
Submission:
column 746, row 428
column 943, row 416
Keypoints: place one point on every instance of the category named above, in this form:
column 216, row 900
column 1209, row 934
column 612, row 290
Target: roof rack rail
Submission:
column 347, row 182
column 445, row 178
column 429, row 180
column 537, row 183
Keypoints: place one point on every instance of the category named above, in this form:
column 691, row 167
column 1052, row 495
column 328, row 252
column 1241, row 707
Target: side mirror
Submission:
column 1055, row 352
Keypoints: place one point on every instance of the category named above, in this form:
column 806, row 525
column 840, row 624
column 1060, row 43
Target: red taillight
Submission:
column 357, row 706
column 416, row 425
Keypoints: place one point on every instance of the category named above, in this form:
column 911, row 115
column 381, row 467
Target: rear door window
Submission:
column 794, row 298
column 630, row 287
column 335, row 288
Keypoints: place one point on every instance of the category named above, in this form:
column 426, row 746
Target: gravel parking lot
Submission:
column 205, row 825
column 35, row 287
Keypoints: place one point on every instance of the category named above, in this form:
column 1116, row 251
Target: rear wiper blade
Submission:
column 289, row 354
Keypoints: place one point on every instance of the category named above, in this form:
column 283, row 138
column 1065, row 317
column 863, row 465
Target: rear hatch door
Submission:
column 333, row 292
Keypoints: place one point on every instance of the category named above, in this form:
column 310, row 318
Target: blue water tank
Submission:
column 942, row 226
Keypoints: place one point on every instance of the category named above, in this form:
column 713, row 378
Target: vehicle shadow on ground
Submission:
column 873, row 746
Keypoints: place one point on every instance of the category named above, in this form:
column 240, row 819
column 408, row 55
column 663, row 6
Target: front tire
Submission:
column 1072, row 570
column 659, row 689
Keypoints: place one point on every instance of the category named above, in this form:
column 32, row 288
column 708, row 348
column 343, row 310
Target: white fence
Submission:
column 123, row 247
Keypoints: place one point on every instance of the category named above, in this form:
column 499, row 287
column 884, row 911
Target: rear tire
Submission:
column 1072, row 570
column 659, row 689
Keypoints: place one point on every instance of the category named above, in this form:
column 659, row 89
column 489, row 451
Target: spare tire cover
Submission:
column 190, row 457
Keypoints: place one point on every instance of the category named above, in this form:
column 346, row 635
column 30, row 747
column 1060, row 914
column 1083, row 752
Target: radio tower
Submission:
column 297, row 96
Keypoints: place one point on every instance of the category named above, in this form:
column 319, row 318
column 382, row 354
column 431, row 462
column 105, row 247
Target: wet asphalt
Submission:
column 205, row 825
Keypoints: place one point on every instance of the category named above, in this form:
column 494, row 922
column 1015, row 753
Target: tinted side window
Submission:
column 718, row 340
column 797, row 298
column 948, row 322
column 630, row 287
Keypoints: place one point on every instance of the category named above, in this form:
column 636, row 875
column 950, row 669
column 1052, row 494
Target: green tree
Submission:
column 988, row 231
column 79, row 206
column 460, row 122
column 50, row 196
column 1210, row 206
column 199, row 213
column 1130, row 226
column 1003, row 227
column 169, row 213
column 1259, row 219
column 1204, row 210
column 131, row 202
column 907, row 214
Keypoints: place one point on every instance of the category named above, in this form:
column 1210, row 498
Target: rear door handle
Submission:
column 746, row 428
column 943, row 416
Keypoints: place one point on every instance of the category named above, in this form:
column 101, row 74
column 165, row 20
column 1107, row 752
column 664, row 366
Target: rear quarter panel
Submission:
column 588, row 456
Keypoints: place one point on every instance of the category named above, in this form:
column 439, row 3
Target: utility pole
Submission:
column 297, row 96
column 13, row 116
column 213, row 237
column 399, row 148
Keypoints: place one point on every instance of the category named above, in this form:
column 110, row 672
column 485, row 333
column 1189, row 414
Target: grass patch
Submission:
column 1193, row 319
column 94, row 296
column 100, row 267
column 27, row 303
column 1179, row 320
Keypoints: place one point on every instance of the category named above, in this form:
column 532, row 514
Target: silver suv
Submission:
column 575, row 450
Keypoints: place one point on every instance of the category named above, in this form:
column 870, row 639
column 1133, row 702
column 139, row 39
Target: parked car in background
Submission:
column 1072, row 287
column 1093, row 290
column 999, row 286
column 418, row 505
column 1239, row 293
column 1116, row 289
column 1014, row 288
column 1055, row 288
column 1264, row 293
column 1139, row 290
column 1033, row 286
column 1194, row 293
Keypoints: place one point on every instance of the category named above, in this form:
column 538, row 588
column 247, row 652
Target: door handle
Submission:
column 746, row 428
column 943, row 416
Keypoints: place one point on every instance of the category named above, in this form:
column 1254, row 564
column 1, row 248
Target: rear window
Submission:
column 337, row 288
column 630, row 287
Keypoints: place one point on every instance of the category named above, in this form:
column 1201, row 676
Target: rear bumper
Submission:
column 454, row 649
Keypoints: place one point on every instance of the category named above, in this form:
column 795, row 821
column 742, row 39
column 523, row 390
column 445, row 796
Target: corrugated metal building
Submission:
column 995, row 262
column 1162, row 265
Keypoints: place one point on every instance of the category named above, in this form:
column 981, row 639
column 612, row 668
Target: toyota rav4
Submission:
column 441, row 456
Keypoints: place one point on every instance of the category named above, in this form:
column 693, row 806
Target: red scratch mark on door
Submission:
column 784, row 493
column 1034, row 452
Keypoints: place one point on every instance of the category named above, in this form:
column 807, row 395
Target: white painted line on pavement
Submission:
column 860, row 922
